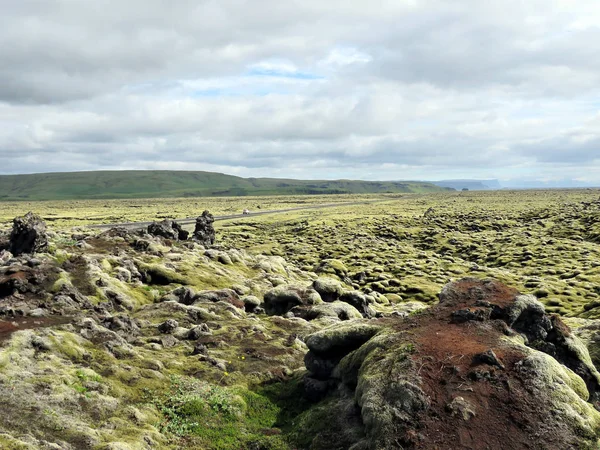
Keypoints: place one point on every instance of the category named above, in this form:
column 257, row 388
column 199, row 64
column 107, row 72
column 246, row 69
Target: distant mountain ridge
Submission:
column 164, row 183
column 472, row 185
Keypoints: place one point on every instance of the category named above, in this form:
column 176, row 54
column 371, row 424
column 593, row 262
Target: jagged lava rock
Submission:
column 28, row 235
column 168, row 229
column 204, row 231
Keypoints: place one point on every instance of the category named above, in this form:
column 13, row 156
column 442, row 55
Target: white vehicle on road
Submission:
column 246, row 211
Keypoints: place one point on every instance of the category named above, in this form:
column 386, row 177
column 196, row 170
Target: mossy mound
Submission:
column 431, row 379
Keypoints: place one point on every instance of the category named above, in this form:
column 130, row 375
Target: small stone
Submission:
column 251, row 302
column 200, row 349
column 198, row 331
column 38, row 312
column 169, row 341
column 460, row 407
column 467, row 315
column 33, row 262
column 488, row 357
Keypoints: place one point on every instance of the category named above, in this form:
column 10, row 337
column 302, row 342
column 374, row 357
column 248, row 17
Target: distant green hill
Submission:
column 163, row 183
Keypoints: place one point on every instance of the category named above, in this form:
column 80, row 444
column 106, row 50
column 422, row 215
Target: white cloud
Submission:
column 407, row 89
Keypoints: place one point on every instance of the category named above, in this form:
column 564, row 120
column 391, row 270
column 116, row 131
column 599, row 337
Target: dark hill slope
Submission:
column 163, row 183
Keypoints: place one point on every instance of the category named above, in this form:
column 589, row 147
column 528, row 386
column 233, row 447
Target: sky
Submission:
column 312, row 89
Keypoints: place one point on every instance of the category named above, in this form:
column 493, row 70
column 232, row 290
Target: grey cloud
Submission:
column 565, row 150
column 438, row 87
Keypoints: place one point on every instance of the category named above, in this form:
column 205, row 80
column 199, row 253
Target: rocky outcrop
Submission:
column 328, row 288
column 484, row 362
column 359, row 301
column 28, row 235
column 282, row 299
column 204, row 232
column 325, row 298
column 168, row 229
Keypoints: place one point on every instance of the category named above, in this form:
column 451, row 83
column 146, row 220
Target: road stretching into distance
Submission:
column 192, row 220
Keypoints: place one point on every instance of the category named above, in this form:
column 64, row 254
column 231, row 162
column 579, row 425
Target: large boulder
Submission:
column 360, row 301
column 282, row 299
column 252, row 303
column 485, row 360
column 204, row 231
column 28, row 235
column 168, row 229
column 328, row 288
column 341, row 339
column 333, row 310
column 220, row 295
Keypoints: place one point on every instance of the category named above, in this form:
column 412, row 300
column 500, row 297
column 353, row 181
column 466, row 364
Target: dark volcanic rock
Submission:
column 328, row 288
column 319, row 367
column 168, row 326
column 221, row 295
column 359, row 301
column 4, row 243
column 281, row 299
column 197, row 332
column 466, row 315
column 28, row 235
column 315, row 389
column 488, row 357
column 121, row 232
column 168, row 229
column 204, row 232
column 122, row 325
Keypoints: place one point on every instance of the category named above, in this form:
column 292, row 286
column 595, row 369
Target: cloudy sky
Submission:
column 388, row 89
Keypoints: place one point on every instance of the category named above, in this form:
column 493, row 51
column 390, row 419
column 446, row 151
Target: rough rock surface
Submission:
column 430, row 381
column 328, row 288
column 360, row 301
column 168, row 229
column 204, row 231
column 283, row 298
column 28, row 235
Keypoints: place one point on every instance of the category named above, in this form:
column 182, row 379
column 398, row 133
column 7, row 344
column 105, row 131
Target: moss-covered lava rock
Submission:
column 431, row 381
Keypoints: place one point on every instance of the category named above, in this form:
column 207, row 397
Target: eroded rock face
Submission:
column 204, row 232
column 168, row 229
column 483, row 362
column 28, row 235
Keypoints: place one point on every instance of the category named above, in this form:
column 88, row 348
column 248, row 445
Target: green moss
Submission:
column 345, row 336
column 69, row 345
column 569, row 397
column 162, row 276
column 63, row 279
column 217, row 417
column 331, row 424
column 9, row 443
